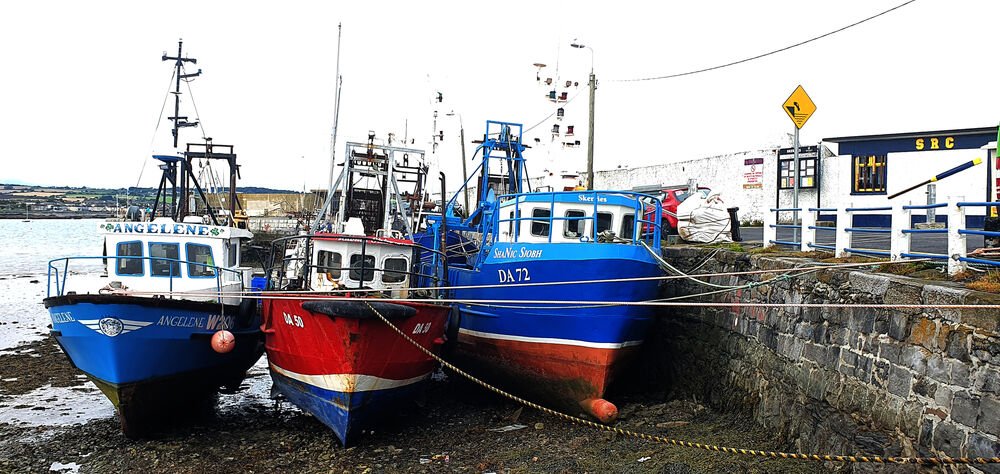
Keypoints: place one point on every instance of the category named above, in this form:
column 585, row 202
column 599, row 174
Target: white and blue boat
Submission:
column 533, row 308
column 143, row 330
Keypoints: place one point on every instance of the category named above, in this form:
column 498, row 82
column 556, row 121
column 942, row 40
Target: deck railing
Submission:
column 643, row 229
column 900, row 232
column 58, row 273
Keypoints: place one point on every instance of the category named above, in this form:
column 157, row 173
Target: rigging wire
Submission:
column 786, row 48
column 194, row 105
column 159, row 119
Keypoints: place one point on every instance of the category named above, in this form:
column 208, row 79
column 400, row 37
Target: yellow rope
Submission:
column 688, row 444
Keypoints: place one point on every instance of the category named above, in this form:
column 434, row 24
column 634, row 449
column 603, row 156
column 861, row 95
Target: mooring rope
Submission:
column 688, row 444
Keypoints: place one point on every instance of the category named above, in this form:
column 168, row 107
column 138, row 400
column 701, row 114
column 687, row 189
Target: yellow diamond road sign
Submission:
column 799, row 107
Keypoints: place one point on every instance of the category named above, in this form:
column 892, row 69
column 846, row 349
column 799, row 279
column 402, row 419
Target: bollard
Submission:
column 734, row 224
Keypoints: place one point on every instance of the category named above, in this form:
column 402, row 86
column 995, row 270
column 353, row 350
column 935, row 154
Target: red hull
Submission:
column 565, row 374
column 309, row 343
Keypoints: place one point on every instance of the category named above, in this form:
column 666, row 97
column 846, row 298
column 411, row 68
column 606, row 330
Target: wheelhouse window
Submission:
column 540, row 226
column 329, row 262
column 164, row 267
column 574, row 227
column 869, row 174
column 234, row 254
column 129, row 266
column 362, row 267
column 200, row 262
column 604, row 221
column 628, row 226
column 395, row 270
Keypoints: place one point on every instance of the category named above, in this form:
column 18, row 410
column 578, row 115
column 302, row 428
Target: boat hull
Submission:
column 566, row 354
column 153, row 356
column 344, row 365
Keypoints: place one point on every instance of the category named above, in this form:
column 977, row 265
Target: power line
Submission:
column 786, row 48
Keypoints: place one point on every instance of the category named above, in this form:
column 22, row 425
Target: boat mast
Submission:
column 180, row 207
column 333, row 135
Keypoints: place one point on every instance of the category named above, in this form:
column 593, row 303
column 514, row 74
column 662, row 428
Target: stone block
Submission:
column 900, row 381
column 839, row 335
column 979, row 446
column 914, row 357
column 948, row 439
column 910, row 418
column 899, row 325
column 824, row 356
column 926, row 433
column 804, row 330
column 958, row 345
column 965, row 409
column 987, row 380
column 959, row 372
column 881, row 322
column 863, row 372
column 820, row 334
column 989, row 415
column 924, row 387
column 938, row 369
column 923, row 332
column 942, row 295
column 985, row 319
column 889, row 350
column 870, row 283
column 903, row 292
column 880, row 374
column 943, row 396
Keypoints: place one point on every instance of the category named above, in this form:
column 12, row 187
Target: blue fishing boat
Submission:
column 536, row 310
column 167, row 322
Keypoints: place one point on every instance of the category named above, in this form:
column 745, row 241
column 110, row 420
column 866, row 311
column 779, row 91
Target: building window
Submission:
column 329, row 263
column 200, row 262
column 807, row 173
column 869, row 174
column 560, row 112
column 169, row 266
column 129, row 266
column 540, row 226
column 569, row 130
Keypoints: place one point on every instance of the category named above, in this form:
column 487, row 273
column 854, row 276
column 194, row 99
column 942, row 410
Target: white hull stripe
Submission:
column 550, row 340
column 347, row 383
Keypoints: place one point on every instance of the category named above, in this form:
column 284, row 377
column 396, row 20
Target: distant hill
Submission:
column 133, row 190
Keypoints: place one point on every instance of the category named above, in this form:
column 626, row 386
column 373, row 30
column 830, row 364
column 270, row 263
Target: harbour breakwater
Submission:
column 889, row 381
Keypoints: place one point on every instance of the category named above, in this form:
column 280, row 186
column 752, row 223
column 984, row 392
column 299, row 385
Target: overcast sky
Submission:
column 83, row 82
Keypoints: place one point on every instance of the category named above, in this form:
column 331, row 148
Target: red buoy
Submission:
column 223, row 341
column 605, row 411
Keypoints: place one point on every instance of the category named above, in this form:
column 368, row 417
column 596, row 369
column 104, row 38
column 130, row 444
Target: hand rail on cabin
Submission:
column 61, row 282
column 640, row 212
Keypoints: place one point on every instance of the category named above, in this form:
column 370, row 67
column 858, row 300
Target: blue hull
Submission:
column 574, row 320
column 148, row 354
column 346, row 413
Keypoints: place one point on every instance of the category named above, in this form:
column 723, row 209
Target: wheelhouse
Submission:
column 573, row 217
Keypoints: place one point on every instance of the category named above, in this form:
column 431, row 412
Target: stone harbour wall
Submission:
column 891, row 382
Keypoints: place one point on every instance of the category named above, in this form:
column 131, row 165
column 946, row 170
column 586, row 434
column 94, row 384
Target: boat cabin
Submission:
column 569, row 217
column 164, row 255
column 342, row 262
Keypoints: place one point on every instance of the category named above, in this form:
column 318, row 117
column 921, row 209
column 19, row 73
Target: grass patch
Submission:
column 904, row 268
column 989, row 283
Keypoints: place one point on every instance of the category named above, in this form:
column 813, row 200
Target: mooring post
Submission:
column 956, row 240
column 770, row 232
column 899, row 241
column 843, row 238
column 808, row 230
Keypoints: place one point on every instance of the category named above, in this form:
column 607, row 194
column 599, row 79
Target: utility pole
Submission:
column 590, row 132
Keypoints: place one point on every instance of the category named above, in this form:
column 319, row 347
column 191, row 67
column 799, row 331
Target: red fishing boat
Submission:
column 329, row 351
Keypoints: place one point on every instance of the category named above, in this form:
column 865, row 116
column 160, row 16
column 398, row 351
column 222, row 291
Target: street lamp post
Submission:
column 590, row 123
